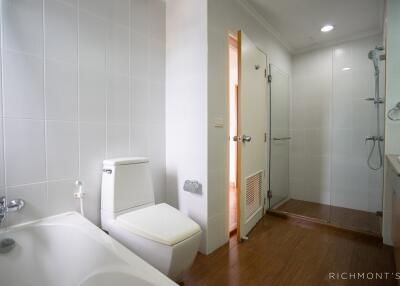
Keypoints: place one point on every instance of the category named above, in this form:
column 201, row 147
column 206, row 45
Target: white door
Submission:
column 252, row 134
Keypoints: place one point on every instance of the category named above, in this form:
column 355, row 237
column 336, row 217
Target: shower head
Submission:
column 373, row 55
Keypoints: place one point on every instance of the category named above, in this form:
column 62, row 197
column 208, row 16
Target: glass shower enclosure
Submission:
column 279, row 136
column 326, row 136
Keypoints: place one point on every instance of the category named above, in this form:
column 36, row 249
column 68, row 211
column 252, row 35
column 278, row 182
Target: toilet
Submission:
column 158, row 233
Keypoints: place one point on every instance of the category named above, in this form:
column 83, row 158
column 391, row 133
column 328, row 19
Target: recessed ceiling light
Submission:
column 346, row 69
column 327, row 28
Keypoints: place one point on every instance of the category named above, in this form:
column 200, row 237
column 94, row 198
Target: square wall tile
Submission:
column 92, row 206
column 1, row 84
column 92, row 42
column 61, row 30
column 157, row 103
column 2, row 170
column 92, row 149
column 61, row 196
column 140, row 56
column 23, row 26
column 140, row 16
column 25, row 151
column 118, row 100
column 121, row 12
column 62, row 150
column 156, row 9
column 61, row 91
column 117, row 140
column 23, row 86
column 116, row 11
column 35, row 197
column 140, row 139
column 157, row 61
column 119, row 49
column 92, row 96
column 140, row 101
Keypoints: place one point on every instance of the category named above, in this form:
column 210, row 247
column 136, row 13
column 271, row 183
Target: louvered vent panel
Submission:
column 253, row 193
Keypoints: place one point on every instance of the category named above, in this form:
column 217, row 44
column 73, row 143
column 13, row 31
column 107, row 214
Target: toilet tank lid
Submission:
column 125, row 161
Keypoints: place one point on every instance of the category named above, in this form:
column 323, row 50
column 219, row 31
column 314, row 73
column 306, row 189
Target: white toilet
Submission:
column 160, row 234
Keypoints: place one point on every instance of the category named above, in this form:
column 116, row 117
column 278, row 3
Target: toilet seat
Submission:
column 161, row 223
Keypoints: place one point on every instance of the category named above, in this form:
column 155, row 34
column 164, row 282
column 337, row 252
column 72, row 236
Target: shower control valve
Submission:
column 374, row 138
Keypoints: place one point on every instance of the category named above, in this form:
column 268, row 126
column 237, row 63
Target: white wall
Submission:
column 196, row 97
column 392, row 142
column 224, row 17
column 186, row 107
column 330, row 120
column 83, row 80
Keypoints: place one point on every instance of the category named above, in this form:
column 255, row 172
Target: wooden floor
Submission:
column 342, row 217
column 287, row 251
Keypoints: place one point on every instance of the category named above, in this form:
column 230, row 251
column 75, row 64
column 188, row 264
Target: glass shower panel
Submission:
column 356, row 189
column 280, row 136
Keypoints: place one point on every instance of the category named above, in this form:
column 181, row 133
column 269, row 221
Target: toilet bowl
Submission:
column 158, row 233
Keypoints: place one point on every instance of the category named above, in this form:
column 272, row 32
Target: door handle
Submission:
column 281, row 138
column 246, row 138
column 243, row 138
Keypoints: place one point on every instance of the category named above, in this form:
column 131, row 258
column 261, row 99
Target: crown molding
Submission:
column 267, row 26
column 327, row 44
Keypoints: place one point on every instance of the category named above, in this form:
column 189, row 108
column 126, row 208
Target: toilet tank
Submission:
column 126, row 183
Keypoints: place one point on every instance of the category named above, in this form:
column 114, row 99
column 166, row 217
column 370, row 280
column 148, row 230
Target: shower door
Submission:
column 279, row 136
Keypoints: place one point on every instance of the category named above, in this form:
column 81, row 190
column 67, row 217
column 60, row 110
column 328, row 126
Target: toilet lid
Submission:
column 161, row 223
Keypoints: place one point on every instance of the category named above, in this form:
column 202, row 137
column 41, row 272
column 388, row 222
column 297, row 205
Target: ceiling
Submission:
column 298, row 22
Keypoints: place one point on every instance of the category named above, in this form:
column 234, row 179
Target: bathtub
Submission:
column 68, row 250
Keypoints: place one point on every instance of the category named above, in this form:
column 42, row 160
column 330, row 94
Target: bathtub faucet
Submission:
column 12, row 206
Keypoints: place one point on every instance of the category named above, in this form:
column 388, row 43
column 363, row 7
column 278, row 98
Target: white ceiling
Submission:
column 298, row 22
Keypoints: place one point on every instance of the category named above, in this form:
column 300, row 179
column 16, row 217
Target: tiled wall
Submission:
column 330, row 120
column 82, row 80
column 186, row 108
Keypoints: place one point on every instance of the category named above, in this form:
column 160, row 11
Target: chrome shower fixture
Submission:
column 393, row 111
column 377, row 140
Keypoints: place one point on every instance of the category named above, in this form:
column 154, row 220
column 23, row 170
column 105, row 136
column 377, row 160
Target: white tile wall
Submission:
column 84, row 80
column 330, row 121
column 23, row 86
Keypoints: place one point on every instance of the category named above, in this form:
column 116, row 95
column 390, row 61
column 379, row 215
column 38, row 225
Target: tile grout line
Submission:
column 107, row 83
column 44, row 99
column 78, row 86
column 2, row 96
column 130, row 80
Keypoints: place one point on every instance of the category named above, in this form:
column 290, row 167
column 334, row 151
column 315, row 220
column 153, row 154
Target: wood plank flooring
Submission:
column 342, row 217
column 287, row 251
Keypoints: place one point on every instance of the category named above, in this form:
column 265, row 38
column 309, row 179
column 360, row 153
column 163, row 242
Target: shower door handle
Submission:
column 281, row 138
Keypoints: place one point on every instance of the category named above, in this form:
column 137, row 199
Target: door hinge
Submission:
column 269, row 194
column 265, row 73
column 269, row 78
column 265, row 136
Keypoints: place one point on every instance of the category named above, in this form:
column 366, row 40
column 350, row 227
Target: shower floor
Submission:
column 342, row 217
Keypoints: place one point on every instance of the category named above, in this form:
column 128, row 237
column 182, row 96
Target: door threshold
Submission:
column 324, row 222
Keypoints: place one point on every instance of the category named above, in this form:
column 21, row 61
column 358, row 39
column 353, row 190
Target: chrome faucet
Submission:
column 12, row 206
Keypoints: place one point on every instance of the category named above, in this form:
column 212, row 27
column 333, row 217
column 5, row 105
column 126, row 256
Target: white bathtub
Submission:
column 68, row 250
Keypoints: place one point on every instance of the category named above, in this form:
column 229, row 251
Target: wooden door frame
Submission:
column 238, row 146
